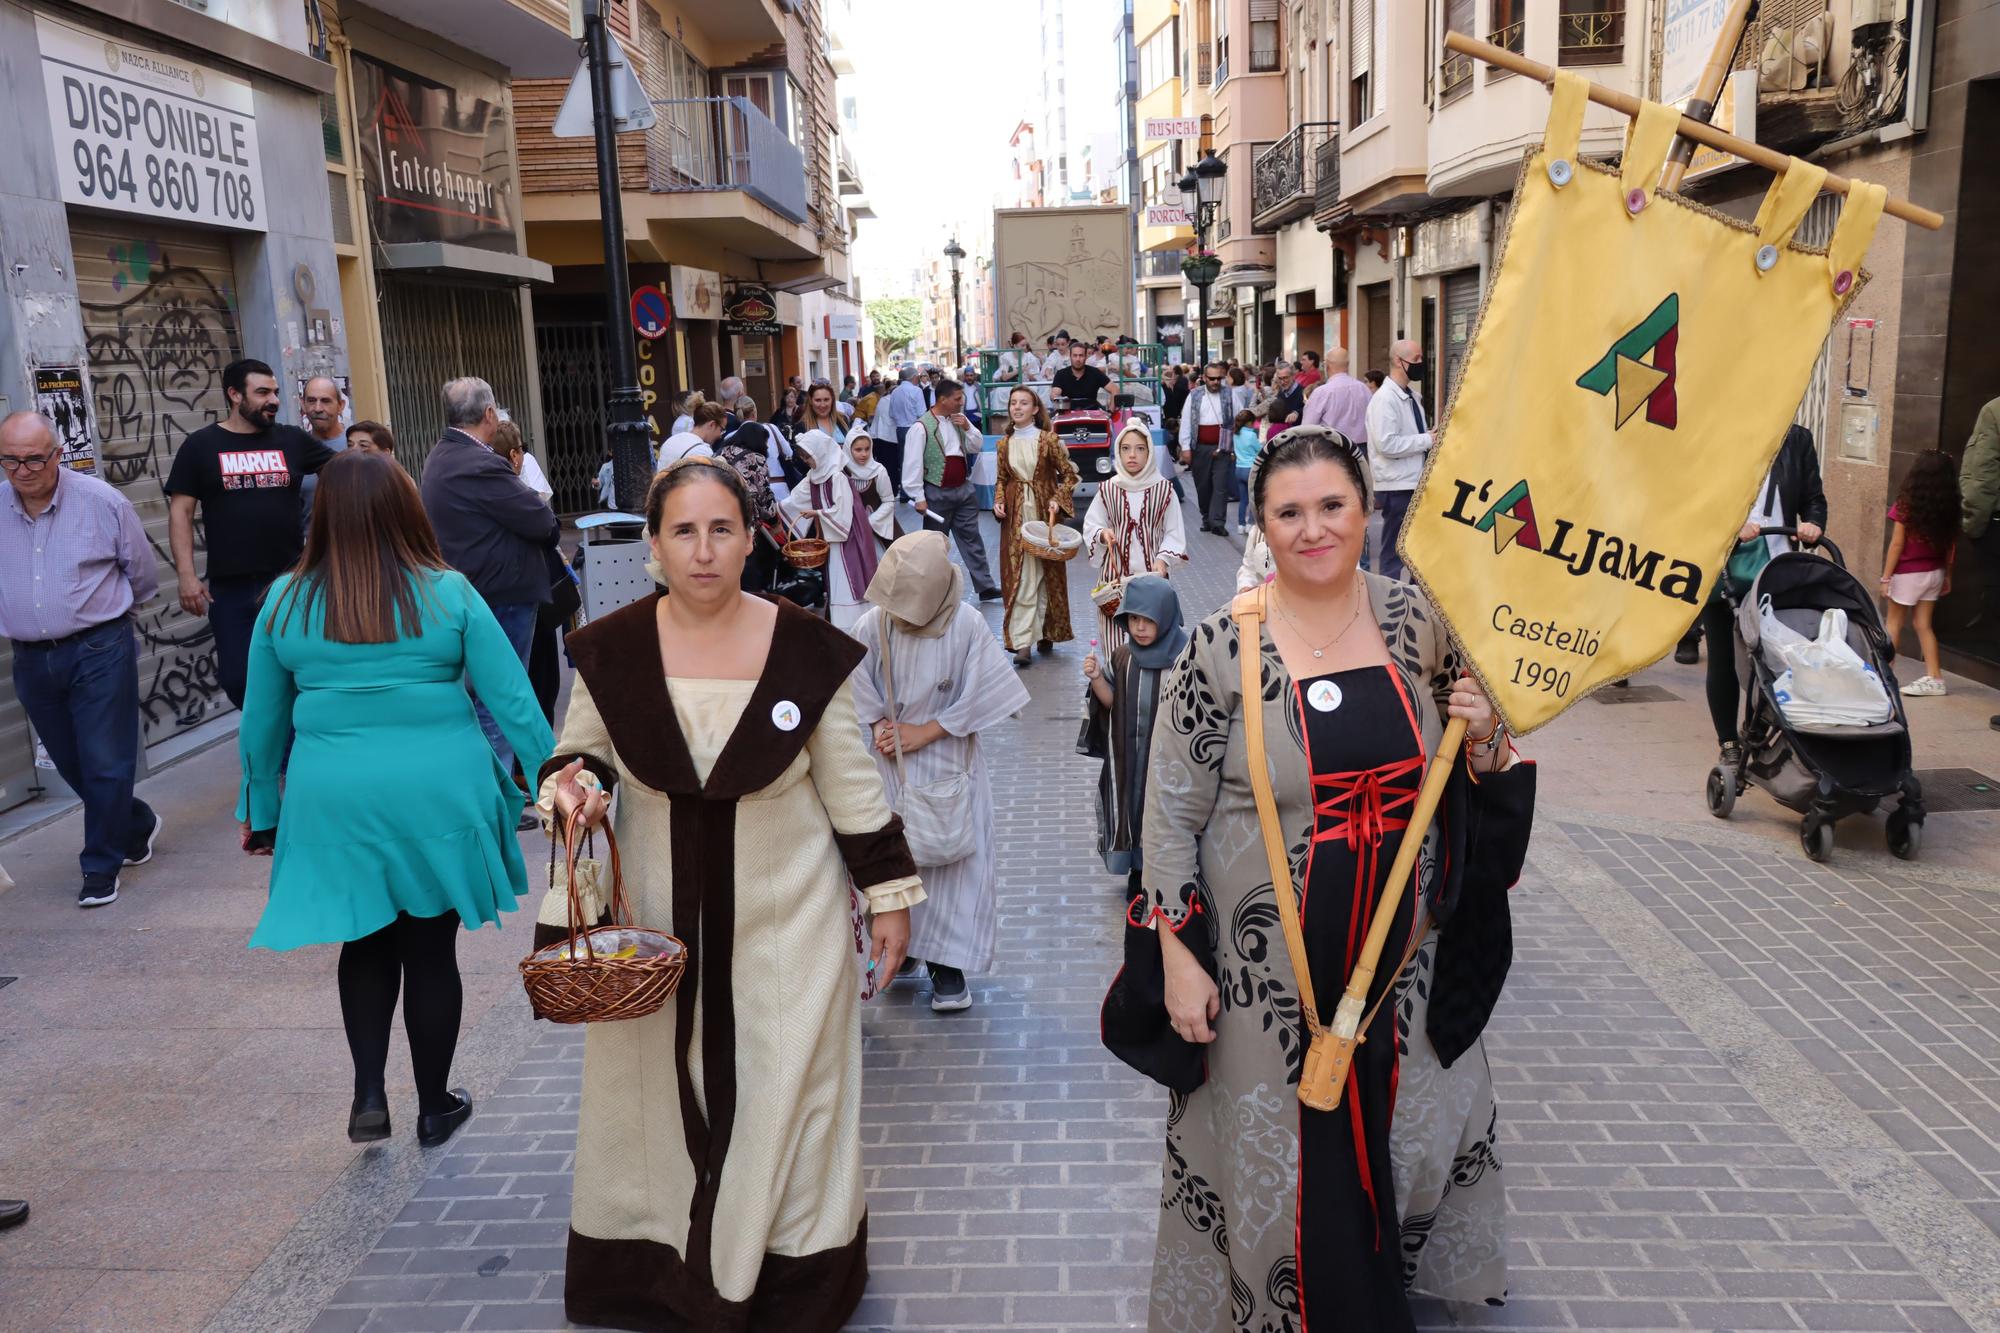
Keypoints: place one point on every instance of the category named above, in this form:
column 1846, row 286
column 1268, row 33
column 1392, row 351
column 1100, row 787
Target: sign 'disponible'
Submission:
column 141, row 131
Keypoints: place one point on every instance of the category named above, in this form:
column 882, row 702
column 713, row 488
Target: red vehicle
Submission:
column 1087, row 432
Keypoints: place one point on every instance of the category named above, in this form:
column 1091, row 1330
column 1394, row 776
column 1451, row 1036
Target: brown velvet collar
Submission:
column 619, row 658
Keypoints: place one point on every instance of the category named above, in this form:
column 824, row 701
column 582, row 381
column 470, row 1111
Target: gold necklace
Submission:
column 1299, row 629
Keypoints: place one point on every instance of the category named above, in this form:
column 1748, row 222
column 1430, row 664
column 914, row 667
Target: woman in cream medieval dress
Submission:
column 1134, row 524
column 718, row 1160
column 1275, row 1216
column 1035, row 479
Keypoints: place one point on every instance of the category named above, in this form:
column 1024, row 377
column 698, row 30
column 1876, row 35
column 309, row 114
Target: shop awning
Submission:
column 467, row 260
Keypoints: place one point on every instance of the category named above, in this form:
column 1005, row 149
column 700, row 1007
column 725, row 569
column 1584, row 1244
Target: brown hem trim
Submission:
column 645, row 1286
column 877, row 857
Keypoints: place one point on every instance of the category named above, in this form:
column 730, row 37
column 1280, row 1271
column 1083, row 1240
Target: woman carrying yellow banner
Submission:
column 1275, row 1215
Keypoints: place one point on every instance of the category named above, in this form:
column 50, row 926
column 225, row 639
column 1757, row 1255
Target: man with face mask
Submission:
column 244, row 472
column 1399, row 440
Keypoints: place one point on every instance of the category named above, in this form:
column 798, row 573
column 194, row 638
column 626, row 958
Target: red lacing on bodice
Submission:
column 1362, row 807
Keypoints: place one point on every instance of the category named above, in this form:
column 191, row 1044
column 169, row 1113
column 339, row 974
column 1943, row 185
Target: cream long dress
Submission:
column 718, row 1161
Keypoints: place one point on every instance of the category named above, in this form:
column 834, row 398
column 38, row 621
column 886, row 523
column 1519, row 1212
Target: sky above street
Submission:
column 939, row 88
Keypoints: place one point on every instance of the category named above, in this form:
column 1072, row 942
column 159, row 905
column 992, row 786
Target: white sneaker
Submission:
column 1924, row 687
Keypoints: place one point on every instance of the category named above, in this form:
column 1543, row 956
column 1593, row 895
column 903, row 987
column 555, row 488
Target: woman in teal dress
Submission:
column 398, row 822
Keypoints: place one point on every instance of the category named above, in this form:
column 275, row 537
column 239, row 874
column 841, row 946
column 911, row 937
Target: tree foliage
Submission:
column 898, row 320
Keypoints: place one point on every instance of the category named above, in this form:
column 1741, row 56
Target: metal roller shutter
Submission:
column 1461, row 308
column 437, row 331
column 159, row 320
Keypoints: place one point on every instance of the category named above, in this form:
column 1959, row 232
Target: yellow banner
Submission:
column 1633, row 373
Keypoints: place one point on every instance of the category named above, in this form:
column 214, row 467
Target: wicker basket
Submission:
column 805, row 552
column 1050, row 541
column 1107, row 595
column 602, row 973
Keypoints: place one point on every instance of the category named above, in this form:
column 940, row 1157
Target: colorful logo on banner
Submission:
column 1636, row 383
column 1636, row 365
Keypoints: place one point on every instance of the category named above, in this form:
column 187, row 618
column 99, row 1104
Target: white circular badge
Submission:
column 785, row 715
column 1323, row 695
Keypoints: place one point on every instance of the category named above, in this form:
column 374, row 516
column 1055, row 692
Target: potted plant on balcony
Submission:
column 1201, row 267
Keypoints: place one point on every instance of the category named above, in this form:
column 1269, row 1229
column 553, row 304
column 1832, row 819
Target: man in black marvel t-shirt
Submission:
column 1077, row 385
column 244, row 472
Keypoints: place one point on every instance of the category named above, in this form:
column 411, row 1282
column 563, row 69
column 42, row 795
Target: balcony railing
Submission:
column 1266, row 59
column 1221, row 62
column 1201, row 65
column 1454, row 76
column 1590, row 32
column 1283, row 186
column 1509, row 38
column 1326, row 177
column 703, row 144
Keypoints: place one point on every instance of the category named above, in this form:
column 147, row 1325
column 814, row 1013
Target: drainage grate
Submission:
column 1954, row 791
column 1636, row 694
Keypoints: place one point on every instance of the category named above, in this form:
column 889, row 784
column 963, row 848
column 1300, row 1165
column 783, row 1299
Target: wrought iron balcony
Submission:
column 1509, row 38
column 1284, row 182
column 1591, row 32
column 1200, row 65
column 703, row 144
column 1454, row 76
column 1326, row 178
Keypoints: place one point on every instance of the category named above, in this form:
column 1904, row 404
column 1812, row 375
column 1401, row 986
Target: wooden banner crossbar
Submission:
column 1699, row 131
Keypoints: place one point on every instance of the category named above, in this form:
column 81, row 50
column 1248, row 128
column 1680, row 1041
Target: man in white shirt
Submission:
column 1206, row 448
column 1399, row 441
column 938, row 455
column 892, row 423
column 710, row 420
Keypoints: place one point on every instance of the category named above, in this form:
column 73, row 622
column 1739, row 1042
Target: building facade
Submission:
column 423, row 174
column 736, row 203
column 1386, row 196
column 167, row 211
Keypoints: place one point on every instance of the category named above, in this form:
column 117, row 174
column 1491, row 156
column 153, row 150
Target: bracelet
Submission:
column 1486, row 742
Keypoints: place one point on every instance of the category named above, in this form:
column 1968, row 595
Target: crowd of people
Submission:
column 796, row 769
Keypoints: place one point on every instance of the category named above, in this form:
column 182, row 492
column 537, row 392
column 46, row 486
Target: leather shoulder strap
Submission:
column 1249, row 610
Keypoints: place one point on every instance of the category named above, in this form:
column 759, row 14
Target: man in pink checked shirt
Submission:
column 1341, row 402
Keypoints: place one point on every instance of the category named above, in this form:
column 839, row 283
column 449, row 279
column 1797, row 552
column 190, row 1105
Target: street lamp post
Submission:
column 626, row 433
column 955, row 252
column 1201, row 192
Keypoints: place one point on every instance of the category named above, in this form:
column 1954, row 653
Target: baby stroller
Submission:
column 1824, row 773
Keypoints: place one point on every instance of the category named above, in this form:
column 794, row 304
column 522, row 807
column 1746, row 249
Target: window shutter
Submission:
column 1263, row 11
column 1360, row 36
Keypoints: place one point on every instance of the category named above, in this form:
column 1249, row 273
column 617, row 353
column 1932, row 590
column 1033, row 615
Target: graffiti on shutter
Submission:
column 160, row 323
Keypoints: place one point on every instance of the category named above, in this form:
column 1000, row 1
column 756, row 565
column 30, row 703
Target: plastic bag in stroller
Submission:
column 1822, row 725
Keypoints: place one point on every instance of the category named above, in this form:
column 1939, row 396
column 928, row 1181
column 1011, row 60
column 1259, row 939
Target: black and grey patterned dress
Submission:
column 1275, row 1217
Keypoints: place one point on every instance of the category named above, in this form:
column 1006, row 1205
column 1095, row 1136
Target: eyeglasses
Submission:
column 14, row 464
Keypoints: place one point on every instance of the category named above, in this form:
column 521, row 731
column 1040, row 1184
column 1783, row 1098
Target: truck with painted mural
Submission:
column 1069, row 270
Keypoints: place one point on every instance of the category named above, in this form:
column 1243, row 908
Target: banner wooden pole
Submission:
column 1700, row 132
column 1344, row 1032
column 1701, row 106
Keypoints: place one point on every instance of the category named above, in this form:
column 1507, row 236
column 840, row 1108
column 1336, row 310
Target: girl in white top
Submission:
column 1134, row 525
column 872, row 480
column 824, row 506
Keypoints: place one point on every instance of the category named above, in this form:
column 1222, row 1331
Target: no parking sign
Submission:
column 652, row 316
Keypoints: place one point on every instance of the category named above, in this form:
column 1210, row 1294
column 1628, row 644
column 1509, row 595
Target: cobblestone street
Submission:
column 1737, row 1091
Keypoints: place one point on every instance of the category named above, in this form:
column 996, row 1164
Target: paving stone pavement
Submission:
column 1655, row 1179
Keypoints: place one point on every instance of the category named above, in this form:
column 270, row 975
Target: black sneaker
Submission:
column 990, row 595
column 1688, row 652
column 1732, row 755
column 948, row 989
column 911, row 970
column 142, row 848
column 98, row 891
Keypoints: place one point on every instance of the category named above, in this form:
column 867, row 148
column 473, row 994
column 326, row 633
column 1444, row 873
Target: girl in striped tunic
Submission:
column 1134, row 525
